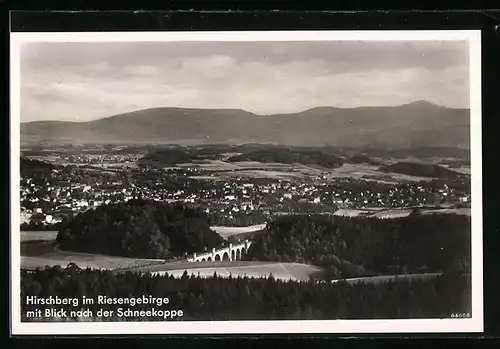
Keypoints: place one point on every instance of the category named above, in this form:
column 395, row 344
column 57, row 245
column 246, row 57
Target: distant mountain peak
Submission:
column 421, row 103
column 319, row 109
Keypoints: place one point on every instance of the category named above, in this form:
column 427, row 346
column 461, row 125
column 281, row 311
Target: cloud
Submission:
column 89, row 81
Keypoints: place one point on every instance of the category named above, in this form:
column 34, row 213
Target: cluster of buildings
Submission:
column 64, row 193
column 95, row 159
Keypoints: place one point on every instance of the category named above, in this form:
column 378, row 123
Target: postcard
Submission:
column 246, row 182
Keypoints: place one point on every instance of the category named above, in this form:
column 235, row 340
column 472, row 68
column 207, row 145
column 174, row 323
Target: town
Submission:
column 75, row 183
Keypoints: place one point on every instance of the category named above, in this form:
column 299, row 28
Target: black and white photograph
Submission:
column 246, row 182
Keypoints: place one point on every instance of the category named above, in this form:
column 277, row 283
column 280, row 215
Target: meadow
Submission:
column 38, row 235
column 282, row 271
column 375, row 280
column 395, row 213
column 460, row 210
column 44, row 252
column 226, row 232
column 251, row 169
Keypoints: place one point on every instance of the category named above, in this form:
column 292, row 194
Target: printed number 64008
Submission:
column 460, row 315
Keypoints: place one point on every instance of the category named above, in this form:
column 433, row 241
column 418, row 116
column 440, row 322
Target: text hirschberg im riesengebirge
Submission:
column 112, row 307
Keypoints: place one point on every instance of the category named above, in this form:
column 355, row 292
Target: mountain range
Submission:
column 417, row 124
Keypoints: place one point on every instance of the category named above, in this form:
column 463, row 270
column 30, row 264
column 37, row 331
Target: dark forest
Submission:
column 256, row 299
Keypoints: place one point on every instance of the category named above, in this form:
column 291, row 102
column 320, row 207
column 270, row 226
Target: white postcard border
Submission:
column 473, row 324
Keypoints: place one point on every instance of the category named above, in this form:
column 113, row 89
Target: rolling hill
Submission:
column 418, row 124
column 287, row 156
column 164, row 157
column 420, row 170
column 362, row 159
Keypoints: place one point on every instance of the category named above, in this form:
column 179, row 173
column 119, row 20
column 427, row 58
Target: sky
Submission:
column 88, row 81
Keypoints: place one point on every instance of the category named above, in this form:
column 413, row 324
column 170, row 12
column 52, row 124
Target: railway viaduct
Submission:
column 229, row 253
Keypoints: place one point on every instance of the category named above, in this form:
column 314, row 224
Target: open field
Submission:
column 378, row 213
column 354, row 170
column 256, row 164
column 283, row 271
column 382, row 214
column 463, row 211
column 38, row 235
column 462, row 170
column 219, row 165
column 119, row 166
column 47, row 157
column 206, row 165
column 398, row 177
column 364, row 171
column 287, row 172
column 396, row 213
column 225, row 232
column 387, row 278
column 350, row 212
column 220, row 170
column 254, row 173
column 50, row 256
column 183, row 264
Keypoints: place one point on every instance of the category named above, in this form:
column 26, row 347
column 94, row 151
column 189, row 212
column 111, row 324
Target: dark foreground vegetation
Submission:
column 253, row 299
column 360, row 246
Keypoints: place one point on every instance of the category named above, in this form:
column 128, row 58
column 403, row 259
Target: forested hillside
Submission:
column 139, row 228
column 166, row 157
column 360, row 246
column 287, row 156
column 421, row 170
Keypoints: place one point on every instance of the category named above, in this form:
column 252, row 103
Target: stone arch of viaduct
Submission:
column 229, row 253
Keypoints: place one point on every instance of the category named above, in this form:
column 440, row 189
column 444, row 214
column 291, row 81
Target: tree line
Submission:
column 245, row 298
column 288, row 156
column 38, row 226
